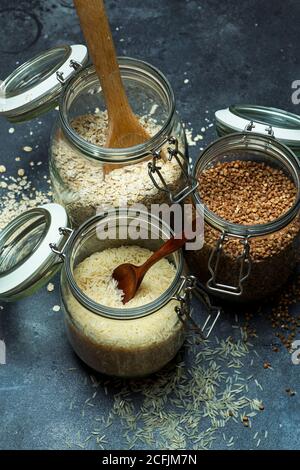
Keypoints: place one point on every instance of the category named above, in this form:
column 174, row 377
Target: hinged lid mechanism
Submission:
column 286, row 126
column 35, row 86
column 26, row 258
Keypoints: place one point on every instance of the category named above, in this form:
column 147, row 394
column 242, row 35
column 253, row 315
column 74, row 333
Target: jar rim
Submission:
column 120, row 155
column 250, row 231
column 121, row 313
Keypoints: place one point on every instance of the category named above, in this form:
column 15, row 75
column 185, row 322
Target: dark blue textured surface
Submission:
column 231, row 52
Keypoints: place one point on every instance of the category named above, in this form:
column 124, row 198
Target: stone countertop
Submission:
column 214, row 54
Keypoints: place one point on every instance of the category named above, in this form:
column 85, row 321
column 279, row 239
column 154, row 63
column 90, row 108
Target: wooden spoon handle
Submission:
column 171, row 245
column 97, row 33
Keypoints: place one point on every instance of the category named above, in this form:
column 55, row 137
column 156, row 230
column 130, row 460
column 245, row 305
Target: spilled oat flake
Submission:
column 18, row 194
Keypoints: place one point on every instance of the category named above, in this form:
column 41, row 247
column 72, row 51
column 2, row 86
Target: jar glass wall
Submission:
column 247, row 261
column 87, row 176
column 125, row 342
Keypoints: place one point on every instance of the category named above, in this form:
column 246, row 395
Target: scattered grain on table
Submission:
column 290, row 392
column 27, row 149
column 18, row 194
column 186, row 405
column 283, row 319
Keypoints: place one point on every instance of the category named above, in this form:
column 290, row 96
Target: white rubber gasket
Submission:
column 238, row 124
column 38, row 94
column 43, row 253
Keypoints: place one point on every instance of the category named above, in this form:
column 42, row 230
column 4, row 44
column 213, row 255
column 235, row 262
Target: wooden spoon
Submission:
column 124, row 129
column 129, row 276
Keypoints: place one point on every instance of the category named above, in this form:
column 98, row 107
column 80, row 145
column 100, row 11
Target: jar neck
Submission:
column 96, row 223
column 133, row 69
column 268, row 146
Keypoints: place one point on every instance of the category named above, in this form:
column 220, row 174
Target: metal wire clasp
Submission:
column 60, row 75
column 184, row 309
column 243, row 260
column 191, row 183
column 67, row 232
column 250, row 126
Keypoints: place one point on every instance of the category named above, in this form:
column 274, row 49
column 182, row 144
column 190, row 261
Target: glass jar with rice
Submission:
column 135, row 339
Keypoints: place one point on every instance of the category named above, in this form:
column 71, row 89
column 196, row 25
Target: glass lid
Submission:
column 26, row 258
column 35, row 86
column 285, row 126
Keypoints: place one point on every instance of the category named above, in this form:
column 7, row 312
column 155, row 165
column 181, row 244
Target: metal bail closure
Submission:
column 35, row 87
column 60, row 252
column 284, row 126
column 184, row 310
column 250, row 126
column 26, row 259
column 190, row 182
column 243, row 262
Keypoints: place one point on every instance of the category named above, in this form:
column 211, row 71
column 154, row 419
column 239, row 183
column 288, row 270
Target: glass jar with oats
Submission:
column 86, row 176
column 126, row 340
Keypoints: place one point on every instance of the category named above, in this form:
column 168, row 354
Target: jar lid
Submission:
column 283, row 125
column 26, row 258
column 35, row 86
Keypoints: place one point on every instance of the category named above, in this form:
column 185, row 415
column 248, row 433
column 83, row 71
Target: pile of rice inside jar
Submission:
column 118, row 345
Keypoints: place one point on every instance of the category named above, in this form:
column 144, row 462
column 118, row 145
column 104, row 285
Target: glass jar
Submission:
column 125, row 342
column 85, row 175
column 247, row 262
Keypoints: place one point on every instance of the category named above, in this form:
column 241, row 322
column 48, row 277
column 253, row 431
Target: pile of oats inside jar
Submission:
column 82, row 185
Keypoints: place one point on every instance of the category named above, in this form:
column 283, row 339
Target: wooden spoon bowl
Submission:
column 129, row 276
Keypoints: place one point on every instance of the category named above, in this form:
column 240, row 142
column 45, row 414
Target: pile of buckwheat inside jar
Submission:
column 84, row 187
column 249, row 193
